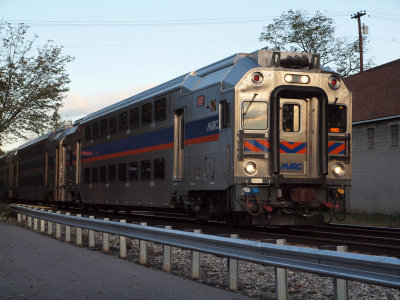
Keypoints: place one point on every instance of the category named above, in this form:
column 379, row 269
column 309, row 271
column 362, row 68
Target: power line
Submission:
column 159, row 22
column 360, row 41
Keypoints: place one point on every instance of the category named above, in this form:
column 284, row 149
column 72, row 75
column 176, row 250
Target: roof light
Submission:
column 293, row 78
column 334, row 82
column 257, row 78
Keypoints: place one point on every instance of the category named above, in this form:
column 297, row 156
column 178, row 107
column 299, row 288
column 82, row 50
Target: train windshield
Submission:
column 337, row 118
column 254, row 115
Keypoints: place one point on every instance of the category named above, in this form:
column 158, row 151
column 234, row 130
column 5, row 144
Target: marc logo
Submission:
column 212, row 126
column 292, row 166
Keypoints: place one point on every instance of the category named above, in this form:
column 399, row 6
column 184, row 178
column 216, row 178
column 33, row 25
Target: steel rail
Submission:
column 377, row 270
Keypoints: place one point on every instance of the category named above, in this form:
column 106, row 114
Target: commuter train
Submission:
column 256, row 138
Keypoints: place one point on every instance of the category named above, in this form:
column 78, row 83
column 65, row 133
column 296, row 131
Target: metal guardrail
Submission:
column 377, row 270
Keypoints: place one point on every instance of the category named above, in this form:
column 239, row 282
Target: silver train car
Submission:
column 259, row 138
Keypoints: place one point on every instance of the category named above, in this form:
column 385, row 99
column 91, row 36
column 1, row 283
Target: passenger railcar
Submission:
column 259, row 138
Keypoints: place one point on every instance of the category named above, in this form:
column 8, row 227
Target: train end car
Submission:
column 256, row 138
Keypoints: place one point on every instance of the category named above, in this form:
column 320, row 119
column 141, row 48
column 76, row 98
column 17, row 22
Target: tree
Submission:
column 296, row 31
column 33, row 83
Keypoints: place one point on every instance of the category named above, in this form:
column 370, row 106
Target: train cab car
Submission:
column 257, row 138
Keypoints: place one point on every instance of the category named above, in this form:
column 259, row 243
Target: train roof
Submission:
column 36, row 140
column 197, row 79
column 227, row 71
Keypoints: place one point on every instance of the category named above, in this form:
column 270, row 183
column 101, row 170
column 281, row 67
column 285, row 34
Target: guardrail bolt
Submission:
column 233, row 270
column 67, row 231
column 35, row 222
column 58, row 228
column 281, row 286
column 143, row 249
column 106, row 247
column 341, row 287
column 91, row 236
column 42, row 224
column 167, row 255
column 79, row 233
column 50, row 226
column 196, row 261
column 122, row 244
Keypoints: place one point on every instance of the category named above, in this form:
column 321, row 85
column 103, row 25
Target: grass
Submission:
column 371, row 220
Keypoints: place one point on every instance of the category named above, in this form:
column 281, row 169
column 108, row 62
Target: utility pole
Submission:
column 360, row 41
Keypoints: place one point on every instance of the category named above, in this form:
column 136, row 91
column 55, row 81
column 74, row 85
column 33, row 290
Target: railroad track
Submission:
column 361, row 239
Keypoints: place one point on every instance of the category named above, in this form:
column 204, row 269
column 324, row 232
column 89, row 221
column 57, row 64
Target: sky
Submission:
column 123, row 47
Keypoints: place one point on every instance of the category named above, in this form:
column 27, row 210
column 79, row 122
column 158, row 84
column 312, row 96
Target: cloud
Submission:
column 78, row 105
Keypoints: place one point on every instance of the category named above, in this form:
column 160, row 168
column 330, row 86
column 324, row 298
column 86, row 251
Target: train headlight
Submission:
column 293, row 78
column 257, row 78
column 250, row 168
column 334, row 82
column 338, row 169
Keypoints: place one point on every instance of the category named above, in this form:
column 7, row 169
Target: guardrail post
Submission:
column 29, row 221
column 196, row 261
column 68, row 231
column 58, row 228
column 341, row 288
column 19, row 218
column 35, row 222
column 233, row 270
column 91, row 236
column 79, row 233
column 281, row 286
column 106, row 247
column 143, row 249
column 42, row 225
column 49, row 226
column 167, row 255
column 122, row 244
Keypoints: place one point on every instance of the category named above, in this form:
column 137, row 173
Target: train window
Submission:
column 133, row 171
column 147, row 113
column 160, row 109
column 112, row 173
column 145, row 170
column 134, row 117
column 95, row 130
column 123, row 121
column 113, row 124
column 254, row 115
column 122, row 172
column 86, row 175
column 88, row 131
column 103, row 127
column 70, row 158
column 103, row 174
column 291, row 118
column 159, row 168
column 337, row 118
column 95, row 175
column 224, row 114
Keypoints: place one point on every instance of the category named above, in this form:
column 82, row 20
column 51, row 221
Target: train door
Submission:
column 60, row 176
column 179, row 144
column 294, row 138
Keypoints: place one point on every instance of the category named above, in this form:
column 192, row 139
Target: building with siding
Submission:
column 375, row 143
